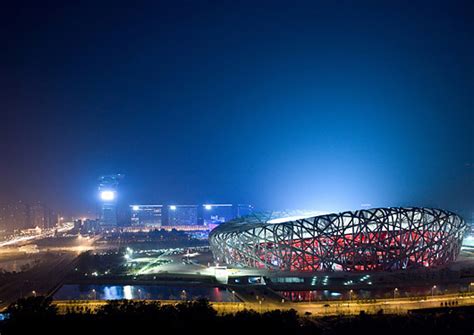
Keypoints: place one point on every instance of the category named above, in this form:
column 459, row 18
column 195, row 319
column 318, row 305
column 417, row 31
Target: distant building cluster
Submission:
column 20, row 215
column 114, row 213
column 86, row 226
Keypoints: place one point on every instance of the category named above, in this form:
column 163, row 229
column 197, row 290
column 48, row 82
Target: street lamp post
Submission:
column 432, row 290
column 94, row 293
column 394, row 292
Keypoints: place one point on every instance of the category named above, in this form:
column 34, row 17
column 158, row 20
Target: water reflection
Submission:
column 154, row 292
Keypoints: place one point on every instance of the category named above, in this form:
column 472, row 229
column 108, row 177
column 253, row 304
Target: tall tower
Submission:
column 108, row 197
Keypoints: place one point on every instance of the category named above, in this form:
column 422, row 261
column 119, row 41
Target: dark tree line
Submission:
column 37, row 315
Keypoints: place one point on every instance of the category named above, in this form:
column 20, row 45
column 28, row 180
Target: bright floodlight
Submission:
column 173, row 207
column 107, row 195
column 135, row 207
column 208, row 207
column 297, row 217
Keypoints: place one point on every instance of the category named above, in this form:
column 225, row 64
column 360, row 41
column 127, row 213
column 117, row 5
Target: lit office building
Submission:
column 108, row 197
column 149, row 216
column 182, row 215
column 219, row 213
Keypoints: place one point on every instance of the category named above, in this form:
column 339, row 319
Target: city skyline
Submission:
column 209, row 166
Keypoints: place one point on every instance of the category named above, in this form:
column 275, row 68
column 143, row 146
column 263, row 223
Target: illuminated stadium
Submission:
column 364, row 240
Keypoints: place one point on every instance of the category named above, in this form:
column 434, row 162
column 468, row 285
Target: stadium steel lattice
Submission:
column 373, row 239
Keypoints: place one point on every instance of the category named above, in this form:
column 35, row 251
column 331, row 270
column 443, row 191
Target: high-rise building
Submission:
column 109, row 199
column 41, row 216
column 37, row 216
column 14, row 216
column 149, row 216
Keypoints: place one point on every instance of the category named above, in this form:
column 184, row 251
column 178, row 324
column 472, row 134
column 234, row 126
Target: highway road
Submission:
column 389, row 306
column 38, row 281
column 44, row 278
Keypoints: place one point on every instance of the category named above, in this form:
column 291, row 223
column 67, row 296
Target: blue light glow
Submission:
column 107, row 195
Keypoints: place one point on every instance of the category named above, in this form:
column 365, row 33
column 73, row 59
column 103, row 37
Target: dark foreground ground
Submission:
column 36, row 315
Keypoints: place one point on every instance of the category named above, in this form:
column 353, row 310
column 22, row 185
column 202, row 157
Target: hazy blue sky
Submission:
column 320, row 104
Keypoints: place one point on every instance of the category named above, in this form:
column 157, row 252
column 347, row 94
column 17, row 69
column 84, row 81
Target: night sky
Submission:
column 310, row 105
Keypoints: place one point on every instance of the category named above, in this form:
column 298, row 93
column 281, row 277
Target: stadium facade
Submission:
column 365, row 240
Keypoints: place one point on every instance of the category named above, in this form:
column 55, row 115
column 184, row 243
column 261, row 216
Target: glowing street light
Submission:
column 395, row 290
column 184, row 295
column 208, row 207
column 135, row 207
column 432, row 290
column 173, row 207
